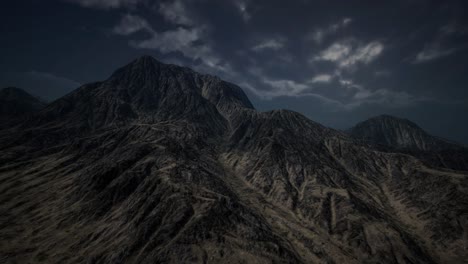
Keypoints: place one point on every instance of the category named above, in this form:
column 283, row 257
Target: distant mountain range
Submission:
column 161, row 164
column 15, row 103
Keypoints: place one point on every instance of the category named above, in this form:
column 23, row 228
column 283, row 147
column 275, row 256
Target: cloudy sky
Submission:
column 337, row 62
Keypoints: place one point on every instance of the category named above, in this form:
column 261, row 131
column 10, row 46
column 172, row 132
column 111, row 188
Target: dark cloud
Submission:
column 346, row 55
column 243, row 8
column 269, row 44
column 131, row 24
column 175, row 12
column 105, row 4
column 320, row 34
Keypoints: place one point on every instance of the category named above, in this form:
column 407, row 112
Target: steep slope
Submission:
column 378, row 207
column 15, row 103
column 390, row 133
column 160, row 164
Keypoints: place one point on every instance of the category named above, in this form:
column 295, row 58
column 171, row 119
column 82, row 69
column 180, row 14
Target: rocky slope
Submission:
column 392, row 134
column 160, row 164
column 15, row 103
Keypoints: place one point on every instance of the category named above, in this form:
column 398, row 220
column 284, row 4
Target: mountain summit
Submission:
column 162, row 81
column 389, row 133
column 147, row 90
column 397, row 133
column 161, row 164
column 15, row 103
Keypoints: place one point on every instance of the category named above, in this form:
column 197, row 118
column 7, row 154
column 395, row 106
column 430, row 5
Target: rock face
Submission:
column 15, row 103
column 390, row 133
column 160, row 164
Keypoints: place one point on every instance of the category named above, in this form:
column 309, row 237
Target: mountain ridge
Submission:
column 162, row 164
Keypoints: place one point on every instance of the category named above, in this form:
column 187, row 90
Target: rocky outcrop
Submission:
column 160, row 164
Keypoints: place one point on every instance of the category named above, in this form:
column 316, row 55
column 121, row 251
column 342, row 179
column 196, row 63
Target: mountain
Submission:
column 396, row 134
column 161, row 164
column 15, row 103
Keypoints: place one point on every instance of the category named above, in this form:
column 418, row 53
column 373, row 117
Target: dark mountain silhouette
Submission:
column 160, row 164
column 398, row 133
column 15, row 103
column 389, row 133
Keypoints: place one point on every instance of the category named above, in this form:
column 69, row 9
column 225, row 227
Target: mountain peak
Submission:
column 396, row 132
column 142, row 66
column 15, row 103
column 146, row 70
column 163, row 80
column 146, row 90
column 393, row 120
column 14, row 93
column 146, row 59
column 9, row 92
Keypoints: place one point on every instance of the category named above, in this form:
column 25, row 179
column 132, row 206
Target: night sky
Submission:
column 337, row 62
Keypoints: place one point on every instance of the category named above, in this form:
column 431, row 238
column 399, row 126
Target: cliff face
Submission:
column 161, row 164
